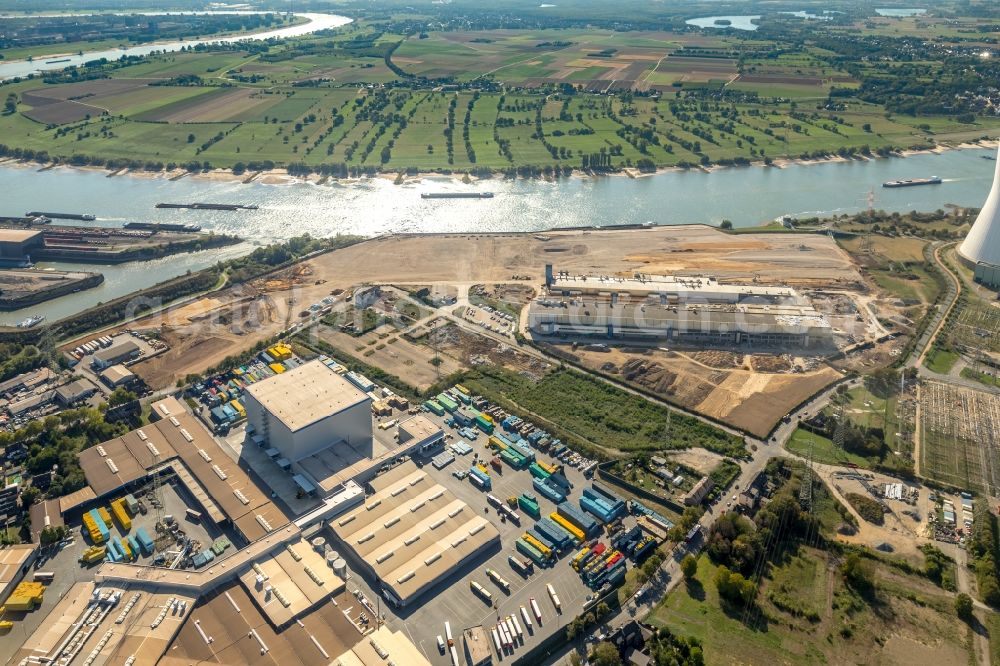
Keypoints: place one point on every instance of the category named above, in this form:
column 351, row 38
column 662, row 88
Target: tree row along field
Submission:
column 365, row 100
column 397, row 129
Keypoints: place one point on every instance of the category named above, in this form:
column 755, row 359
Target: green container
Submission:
column 529, row 506
column 538, row 472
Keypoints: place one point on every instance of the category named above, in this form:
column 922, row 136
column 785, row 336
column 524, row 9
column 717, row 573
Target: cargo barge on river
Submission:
column 85, row 217
column 163, row 226
column 456, row 195
column 207, row 206
column 933, row 180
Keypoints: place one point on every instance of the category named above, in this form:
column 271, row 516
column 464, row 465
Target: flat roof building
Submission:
column 307, row 409
column 703, row 289
column 177, row 439
column 15, row 561
column 117, row 375
column 693, row 310
column 412, row 533
column 334, row 466
column 119, row 353
column 74, row 392
column 18, row 243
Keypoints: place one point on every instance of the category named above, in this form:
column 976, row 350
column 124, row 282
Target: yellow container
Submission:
column 105, row 516
column 277, row 367
column 568, row 526
column 121, row 514
column 94, row 554
column 25, row 597
column 280, row 352
column 542, row 548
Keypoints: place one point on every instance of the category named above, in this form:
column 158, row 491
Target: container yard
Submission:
column 222, row 394
column 542, row 532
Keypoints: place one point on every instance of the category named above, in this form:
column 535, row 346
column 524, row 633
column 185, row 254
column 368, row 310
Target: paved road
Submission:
column 932, row 253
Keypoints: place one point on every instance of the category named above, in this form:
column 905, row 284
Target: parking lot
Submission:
column 490, row 319
column 455, row 602
column 148, row 347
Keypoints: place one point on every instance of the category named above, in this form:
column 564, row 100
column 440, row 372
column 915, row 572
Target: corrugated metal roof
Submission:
column 413, row 531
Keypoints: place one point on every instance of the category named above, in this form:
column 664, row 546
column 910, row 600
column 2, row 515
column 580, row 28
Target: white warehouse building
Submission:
column 307, row 409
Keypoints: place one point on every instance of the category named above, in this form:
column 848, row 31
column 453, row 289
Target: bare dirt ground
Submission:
column 202, row 333
column 900, row 530
column 784, row 258
column 714, row 383
column 697, row 459
column 388, row 349
column 472, row 349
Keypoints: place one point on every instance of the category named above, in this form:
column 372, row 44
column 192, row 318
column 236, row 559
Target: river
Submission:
column 315, row 23
column 747, row 196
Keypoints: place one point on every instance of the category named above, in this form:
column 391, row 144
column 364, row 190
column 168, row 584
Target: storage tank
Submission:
column 319, row 543
column 340, row 568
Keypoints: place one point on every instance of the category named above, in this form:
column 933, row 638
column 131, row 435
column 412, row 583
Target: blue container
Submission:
column 115, row 551
column 484, row 479
column 524, row 451
column 142, row 536
column 555, row 532
column 561, row 481
column 542, row 538
column 548, row 491
column 643, row 550
column 590, row 506
column 578, row 518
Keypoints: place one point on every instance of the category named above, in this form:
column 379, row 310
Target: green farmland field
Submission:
column 542, row 100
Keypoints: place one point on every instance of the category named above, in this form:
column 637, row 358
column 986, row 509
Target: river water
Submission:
column 746, row 196
column 316, row 22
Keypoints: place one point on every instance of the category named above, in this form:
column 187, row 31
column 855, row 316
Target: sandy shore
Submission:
column 281, row 176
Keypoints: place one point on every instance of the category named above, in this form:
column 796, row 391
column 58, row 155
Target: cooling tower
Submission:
column 982, row 245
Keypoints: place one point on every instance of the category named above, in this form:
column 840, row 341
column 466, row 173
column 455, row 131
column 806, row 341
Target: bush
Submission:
column 689, row 567
column 963, row 606
column 858, row 573
column 868, row 508
column 734, row 587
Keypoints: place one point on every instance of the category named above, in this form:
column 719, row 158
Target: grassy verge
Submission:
column 725, row 473
column 603, row 414
column 941, row 360
column 823, row 450
column 981, row 377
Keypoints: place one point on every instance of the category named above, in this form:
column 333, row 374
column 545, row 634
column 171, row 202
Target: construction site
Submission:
column 748, row 391
column 202, row 332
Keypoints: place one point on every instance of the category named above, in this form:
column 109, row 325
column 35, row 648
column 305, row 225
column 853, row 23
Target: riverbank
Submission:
column 280, row 176
column 70, row 49
column 313, row 22
column 22, row 288
column 376, row 206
